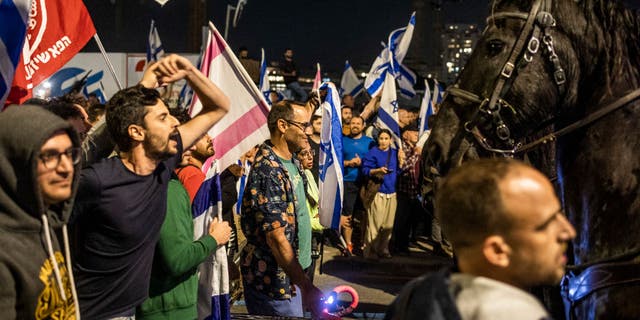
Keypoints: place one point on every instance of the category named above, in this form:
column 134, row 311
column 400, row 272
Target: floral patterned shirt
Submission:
column 268, row 203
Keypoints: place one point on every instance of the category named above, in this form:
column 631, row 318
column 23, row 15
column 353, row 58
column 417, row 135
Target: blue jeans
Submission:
column 259, row 303
column 298, row 93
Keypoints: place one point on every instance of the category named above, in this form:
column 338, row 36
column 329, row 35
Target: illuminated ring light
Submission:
column 332, row 298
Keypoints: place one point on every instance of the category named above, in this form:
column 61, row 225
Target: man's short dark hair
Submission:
column 469, row 202
column 357, row 115
column 73, row 99
column 412, row 126
column 344, row 106
column 95, row 110
column 64, row 110
column 279, row 110
column 127, row 107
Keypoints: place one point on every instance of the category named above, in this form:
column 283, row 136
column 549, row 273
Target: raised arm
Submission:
column 215, row 104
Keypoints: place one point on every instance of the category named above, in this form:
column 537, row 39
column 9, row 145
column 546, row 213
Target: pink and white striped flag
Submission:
column 318, row 79
column 246, row 123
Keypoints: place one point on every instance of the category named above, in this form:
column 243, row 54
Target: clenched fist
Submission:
column 221, row 231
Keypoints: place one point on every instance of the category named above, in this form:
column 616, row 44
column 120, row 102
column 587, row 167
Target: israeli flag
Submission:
column 15, row 17
column 264, row 86
column 155, row 50
column 426, row 109
column 331, row 180
column 388, row 112
column 350, row 83
column 213, row 283
column 390, row 60
column 375, row 78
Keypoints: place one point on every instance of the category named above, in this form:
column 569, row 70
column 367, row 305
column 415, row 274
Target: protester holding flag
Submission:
column 173, row 291
column 122, row 200
column 273, row 201
column 381, row 163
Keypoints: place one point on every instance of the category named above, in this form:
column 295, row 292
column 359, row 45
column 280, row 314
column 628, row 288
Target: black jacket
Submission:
column 425, row 298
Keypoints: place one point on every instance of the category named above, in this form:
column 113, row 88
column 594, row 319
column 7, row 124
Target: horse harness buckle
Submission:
column 507, row 70
column 599, row 276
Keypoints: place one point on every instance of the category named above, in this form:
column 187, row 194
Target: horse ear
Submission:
column 496, row 251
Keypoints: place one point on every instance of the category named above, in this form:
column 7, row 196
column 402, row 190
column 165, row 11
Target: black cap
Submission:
column 413, row 126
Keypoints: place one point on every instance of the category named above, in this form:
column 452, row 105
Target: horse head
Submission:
column 557, row 82
column 541, row 65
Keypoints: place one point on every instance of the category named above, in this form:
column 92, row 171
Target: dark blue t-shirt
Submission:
column 116, row 224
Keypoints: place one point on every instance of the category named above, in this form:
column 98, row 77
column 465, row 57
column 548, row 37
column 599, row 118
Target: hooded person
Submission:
column 39, row 163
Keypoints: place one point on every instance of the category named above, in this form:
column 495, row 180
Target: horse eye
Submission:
column 494, row 47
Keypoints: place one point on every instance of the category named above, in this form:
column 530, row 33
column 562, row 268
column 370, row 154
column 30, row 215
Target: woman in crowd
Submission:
column 306, row 161
column 381, row 163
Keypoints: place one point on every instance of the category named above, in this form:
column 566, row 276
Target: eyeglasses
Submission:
column 51, row 159
column 300, row 125
column 307, row 153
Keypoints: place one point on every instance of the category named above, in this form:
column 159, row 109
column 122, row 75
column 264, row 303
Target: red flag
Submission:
column 57, row 30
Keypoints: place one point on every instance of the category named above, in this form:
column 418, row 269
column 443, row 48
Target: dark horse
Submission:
column 555, row 81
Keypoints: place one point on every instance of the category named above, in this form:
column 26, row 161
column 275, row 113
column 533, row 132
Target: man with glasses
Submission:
column 39, row 162
column 272, row 209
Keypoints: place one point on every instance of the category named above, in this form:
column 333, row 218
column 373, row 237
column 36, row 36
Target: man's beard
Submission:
column 153, row 152
column 202, row 157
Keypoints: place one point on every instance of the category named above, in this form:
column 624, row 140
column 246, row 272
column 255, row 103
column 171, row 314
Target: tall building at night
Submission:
column 458, row 41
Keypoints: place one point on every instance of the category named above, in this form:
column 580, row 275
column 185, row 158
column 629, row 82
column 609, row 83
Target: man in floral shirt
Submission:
column 273, row 200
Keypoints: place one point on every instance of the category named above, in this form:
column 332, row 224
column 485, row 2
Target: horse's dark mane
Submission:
column 621, row 30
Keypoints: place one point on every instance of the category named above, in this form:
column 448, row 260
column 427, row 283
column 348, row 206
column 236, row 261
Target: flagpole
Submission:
column 319, row 82
column 106, row 59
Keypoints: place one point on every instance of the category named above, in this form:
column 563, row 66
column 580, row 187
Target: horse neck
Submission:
column 606, row 40
column 598, row 165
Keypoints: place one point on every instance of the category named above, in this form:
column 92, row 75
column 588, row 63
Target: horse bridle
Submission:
column 538, row 22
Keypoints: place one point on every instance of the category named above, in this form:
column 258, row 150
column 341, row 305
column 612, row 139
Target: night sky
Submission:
column 324, row 31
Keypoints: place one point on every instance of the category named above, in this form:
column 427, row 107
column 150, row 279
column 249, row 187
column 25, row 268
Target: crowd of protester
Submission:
column 124, row 177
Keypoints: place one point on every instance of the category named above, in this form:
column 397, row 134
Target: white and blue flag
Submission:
column 388, row 112
column 350, row 83
column 390, row 60
column 155, row 51
column 426, row 109
column 264, row 86
column 14, row 15
column 438, row 92
column 331, row 180
column 213, row 283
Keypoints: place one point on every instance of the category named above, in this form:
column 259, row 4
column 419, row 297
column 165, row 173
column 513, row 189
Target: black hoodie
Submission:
column 33, row 284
